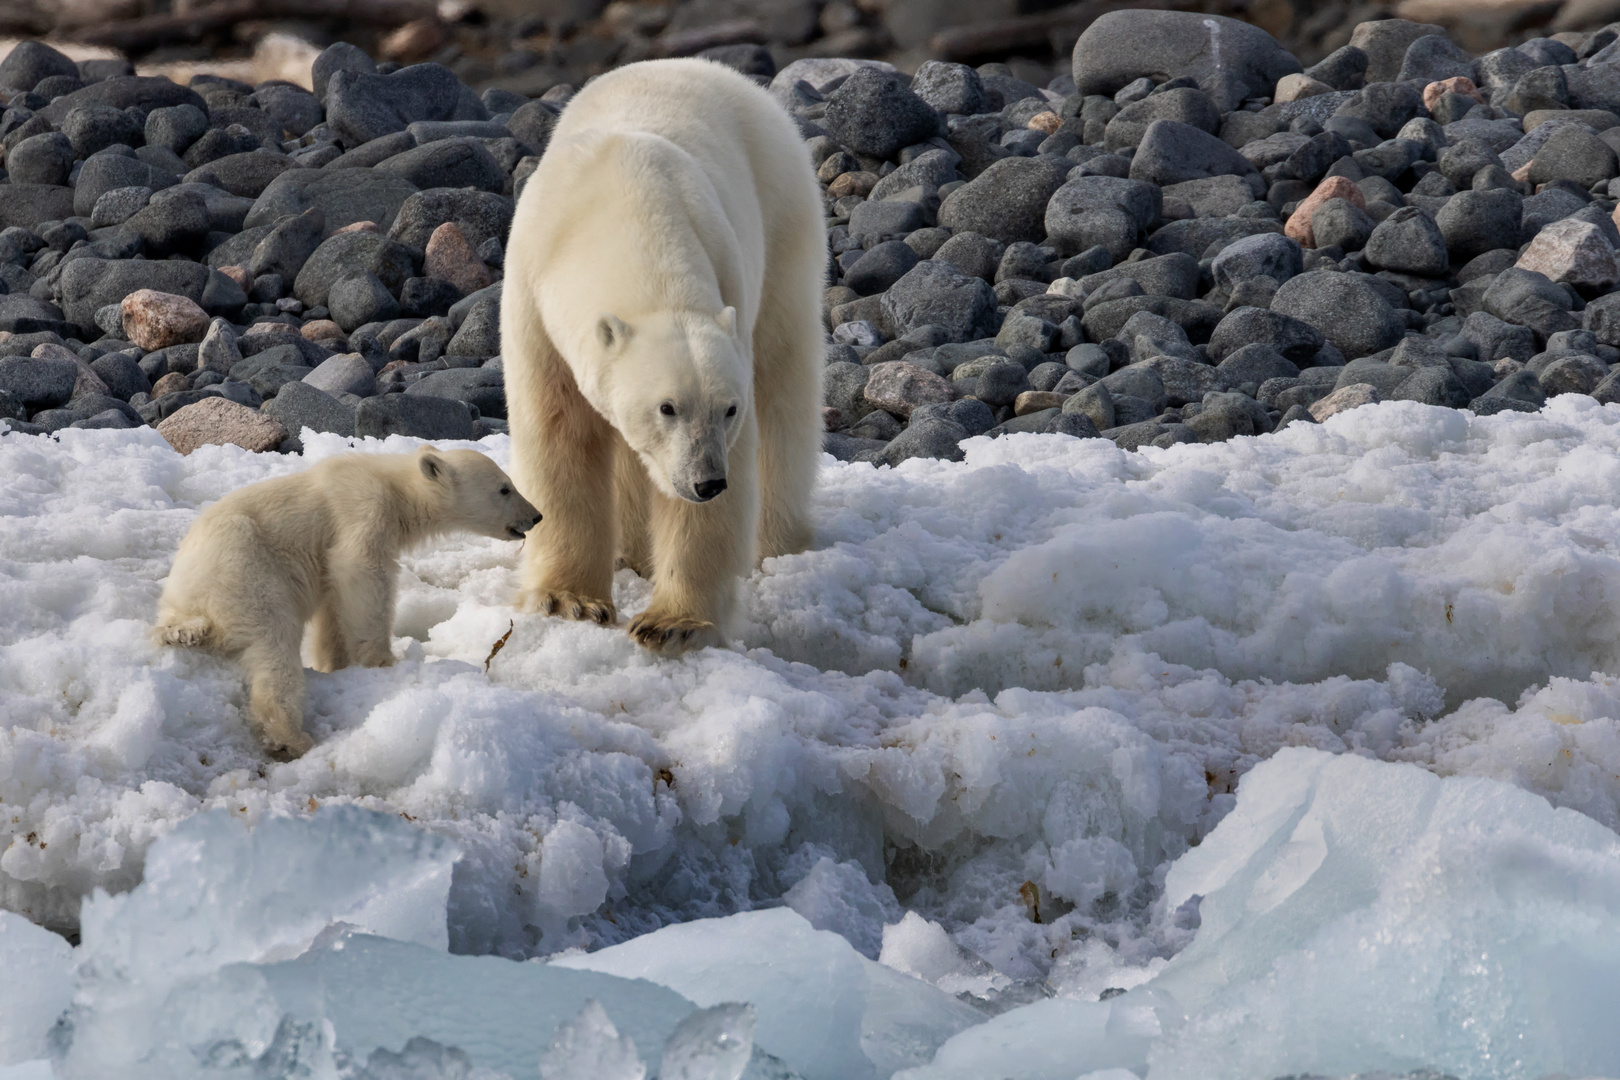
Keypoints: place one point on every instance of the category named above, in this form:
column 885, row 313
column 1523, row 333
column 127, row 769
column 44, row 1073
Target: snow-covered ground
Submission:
column 984, row 731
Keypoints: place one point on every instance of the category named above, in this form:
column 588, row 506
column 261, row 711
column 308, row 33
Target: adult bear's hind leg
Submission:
column 788, row 363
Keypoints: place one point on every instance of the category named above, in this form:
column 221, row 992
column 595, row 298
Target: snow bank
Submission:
column 1003, row 695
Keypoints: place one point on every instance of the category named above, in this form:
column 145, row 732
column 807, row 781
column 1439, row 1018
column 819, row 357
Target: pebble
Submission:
column 995, row 248
column 1299, row 227
column 346, row 373
column 1572, row 251
column 899, row 387
column 218, row 421
column 421, row 416
column 451, row 258
column 1344, row 399
column 156, row 320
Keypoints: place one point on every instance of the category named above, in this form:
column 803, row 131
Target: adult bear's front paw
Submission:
column 286, row 744
column 672, row 633
column 569, row 605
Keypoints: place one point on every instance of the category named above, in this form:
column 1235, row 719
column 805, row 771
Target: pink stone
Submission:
column 1460, row 84
column 358, row 226
column 173, row 383
column 1334, row 187
column 156, row 320
column 450, row 257
column 218, row 421
column 239, row 275
column 321, row 330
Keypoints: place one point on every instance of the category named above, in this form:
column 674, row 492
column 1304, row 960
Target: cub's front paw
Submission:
column 569, row 605
column 668, row 633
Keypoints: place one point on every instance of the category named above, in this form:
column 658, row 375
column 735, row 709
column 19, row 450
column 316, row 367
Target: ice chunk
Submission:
column 36, row 984
column 589, row 1047
column 711, row 1044
column 421, row 1059
column 922, row 949
column 184, row 969
column 825, row 1010
column 217, row 894
column 1056, row 1039
column 1357, row 916
column 838, row 896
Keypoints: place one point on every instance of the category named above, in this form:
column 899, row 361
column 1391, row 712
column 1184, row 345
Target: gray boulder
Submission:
column 1230, row 60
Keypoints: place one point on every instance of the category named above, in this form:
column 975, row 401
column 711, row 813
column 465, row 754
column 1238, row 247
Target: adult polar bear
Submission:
column 661, row 323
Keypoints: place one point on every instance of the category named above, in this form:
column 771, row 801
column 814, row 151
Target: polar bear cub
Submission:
column 322, row 544
column 661, row 324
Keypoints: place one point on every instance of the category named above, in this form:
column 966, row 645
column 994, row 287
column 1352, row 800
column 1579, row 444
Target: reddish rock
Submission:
column 451, row 258
column 321, row 330
column 1334, row 187
column 1461, row 85
column 1047, row 122
column 218, row 421
column 239, row 275
column 853, row 183
column 358, row 226
column 156, row 320
column 172, row 383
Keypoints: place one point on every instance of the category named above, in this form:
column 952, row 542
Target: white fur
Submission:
column 322, row 544
column 669, row 251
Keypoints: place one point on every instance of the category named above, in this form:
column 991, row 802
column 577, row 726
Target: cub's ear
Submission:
column 612, row 331
column 727, row 320
column 433, row 466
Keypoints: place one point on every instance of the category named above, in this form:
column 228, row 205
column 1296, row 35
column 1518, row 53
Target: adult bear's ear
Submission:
column 612, row 331
column 727, row 320
column 433, row 466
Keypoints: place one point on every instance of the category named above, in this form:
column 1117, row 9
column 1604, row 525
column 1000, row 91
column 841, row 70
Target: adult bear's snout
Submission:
column 708, row 489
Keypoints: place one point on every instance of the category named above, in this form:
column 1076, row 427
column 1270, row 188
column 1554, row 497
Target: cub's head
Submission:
column 478, row 496
column 678, row 386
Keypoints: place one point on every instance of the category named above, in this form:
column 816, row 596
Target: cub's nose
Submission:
column 708, row 489
column 532, row 524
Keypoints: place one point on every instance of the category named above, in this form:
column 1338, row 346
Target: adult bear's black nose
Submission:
column 708, row 489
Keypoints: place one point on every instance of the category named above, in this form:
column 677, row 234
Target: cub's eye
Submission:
column 731, row 412
column 505, row 490
column 666, row 409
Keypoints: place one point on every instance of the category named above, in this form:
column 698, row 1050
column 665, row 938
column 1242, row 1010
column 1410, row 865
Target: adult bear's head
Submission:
column 678, row 386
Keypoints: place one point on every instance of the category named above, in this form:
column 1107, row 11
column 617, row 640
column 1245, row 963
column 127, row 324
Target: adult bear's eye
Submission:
column 731, row 412
column 667, row 409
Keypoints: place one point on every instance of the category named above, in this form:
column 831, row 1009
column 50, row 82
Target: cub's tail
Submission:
column 193, row 631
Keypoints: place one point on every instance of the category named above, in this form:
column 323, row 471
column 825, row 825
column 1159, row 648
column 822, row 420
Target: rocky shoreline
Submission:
column 1187, row 238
